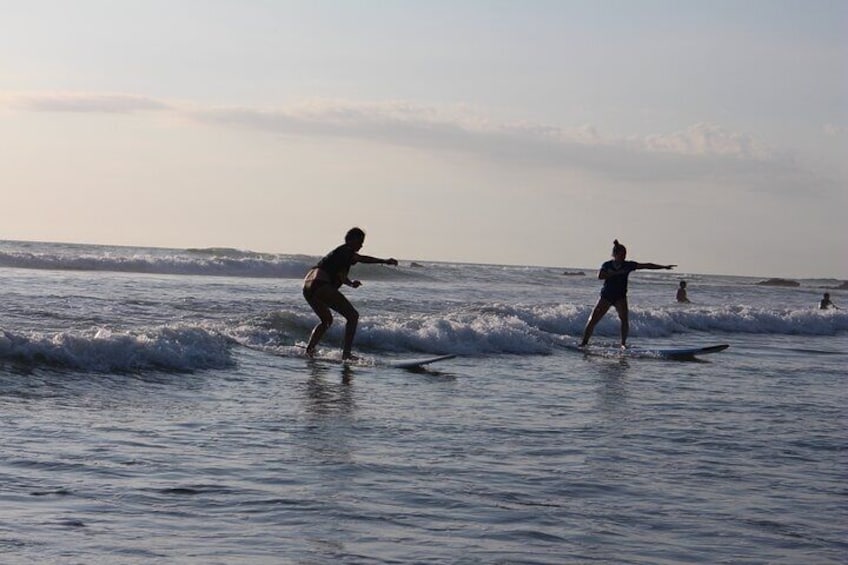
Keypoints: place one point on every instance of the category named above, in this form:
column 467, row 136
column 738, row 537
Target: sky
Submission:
column 712, row 135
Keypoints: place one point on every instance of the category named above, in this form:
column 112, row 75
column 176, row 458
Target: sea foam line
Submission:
column 518, row 329
column 179, row 349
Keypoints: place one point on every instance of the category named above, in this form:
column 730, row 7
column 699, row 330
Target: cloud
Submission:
column 698, row 150
column 708, row 139
column 834, row 130
column 84, row 102
column 701, row 151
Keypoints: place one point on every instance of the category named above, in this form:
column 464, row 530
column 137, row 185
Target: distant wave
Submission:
column 176, row 264
column 203, row 262
column 170, row 349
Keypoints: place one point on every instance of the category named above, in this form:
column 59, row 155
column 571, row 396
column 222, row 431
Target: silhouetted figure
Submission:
column 826, row 303
column 321, row 289
column 614, row 292
column 681, row 293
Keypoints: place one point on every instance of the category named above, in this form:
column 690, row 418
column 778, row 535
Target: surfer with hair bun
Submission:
column 321, row 289
column 614, row 273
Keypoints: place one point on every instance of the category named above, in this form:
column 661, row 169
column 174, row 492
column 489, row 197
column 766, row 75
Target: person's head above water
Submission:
column 618, row 250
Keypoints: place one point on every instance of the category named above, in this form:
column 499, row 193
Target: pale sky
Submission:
column 710, row 134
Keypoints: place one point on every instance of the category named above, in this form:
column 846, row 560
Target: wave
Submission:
column 464, row 334
column 669, row 321
column 467, row 330
column 169, row 349
column 173, row 264
column 202, row 262
column 508, row 329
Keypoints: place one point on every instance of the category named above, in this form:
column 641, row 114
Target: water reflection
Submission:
column 325, row 395
column 328, row 407
column 612, row 387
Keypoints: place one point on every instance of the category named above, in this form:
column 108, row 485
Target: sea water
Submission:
column 142, row 424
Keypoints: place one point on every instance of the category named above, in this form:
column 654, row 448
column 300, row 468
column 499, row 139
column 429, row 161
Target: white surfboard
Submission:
column 676, row 353
column 383, row 362
column 682, row 353
column 299, row 350
column 417, row 363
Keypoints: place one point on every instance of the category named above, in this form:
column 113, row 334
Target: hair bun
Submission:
column 615, row 242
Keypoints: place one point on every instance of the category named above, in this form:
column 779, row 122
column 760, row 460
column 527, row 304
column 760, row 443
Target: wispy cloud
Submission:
column 834, row 130
column 111, row 103
column 702, row 150
column 698, row 150
column 708, row 139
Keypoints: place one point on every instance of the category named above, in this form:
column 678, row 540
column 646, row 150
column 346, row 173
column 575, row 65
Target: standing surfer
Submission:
column 681, row 293
column 614, row 273
column 321, row 289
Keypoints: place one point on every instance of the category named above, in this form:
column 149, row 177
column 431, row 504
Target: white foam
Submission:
column 100, row 350
column 238, row 265
column 532, row 329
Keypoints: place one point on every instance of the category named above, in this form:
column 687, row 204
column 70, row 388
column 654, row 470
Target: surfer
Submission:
column 614, row 273
column 321, row 289
column 681, row 293
column 826, row 303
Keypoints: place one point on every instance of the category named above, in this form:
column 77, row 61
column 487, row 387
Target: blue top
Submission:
column 615, row 287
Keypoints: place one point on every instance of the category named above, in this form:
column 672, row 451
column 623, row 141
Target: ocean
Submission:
column 155, row 409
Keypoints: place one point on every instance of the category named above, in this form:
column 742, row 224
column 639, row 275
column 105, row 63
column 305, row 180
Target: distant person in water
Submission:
column 321, row 289
column 681, row 293
column 826, row 303
column 614, row 292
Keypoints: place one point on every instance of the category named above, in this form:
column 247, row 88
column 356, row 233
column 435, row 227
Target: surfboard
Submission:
column 416, row 363
column 384, row 363
column 676, row 353
column 299, row 350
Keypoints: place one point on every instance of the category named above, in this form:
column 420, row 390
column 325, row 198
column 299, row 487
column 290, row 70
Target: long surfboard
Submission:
column 411, row 364
column 417, row 363
column 676, row 353
column 335, row 357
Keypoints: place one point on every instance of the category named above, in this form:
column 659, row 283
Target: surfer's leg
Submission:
column 601, row 308
column 340, row 304
column 623, row 315
column 324, row 315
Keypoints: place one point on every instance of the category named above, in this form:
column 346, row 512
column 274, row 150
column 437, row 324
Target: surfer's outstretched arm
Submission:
column 654, row 266
column 375, row 260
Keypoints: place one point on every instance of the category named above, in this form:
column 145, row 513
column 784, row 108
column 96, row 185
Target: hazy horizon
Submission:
column 589, row 271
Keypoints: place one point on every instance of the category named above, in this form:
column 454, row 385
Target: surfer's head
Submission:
column 355, row 237
column 618, row 250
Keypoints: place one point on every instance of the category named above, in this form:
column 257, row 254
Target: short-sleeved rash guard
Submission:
column 337, row 263
column 615, row 287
